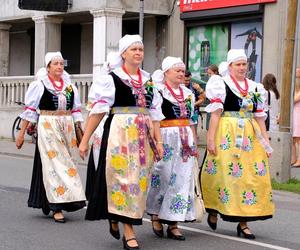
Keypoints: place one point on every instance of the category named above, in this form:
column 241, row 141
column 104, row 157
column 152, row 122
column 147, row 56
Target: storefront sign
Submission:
column 193, row 5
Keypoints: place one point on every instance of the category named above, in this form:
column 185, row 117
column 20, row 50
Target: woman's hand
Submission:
column 19, row 141
column 160, row 149
column 83, row 149
column 211, row 147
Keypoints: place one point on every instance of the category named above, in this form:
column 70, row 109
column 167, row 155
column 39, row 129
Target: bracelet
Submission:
column 160, row 142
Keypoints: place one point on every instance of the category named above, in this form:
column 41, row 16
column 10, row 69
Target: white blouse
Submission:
column 187, row 93
column 102, row 94
column 35, row 92
column 216, row 93
column 274, row 111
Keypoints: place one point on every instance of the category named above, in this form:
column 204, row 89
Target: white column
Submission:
column 4, row 49
column 47, row 38
column 107, row 32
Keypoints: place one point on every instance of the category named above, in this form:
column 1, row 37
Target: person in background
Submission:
column 199, row 95
column 131, row 133
column 235, row 176
column 272, row 103
column 55, row 183
column 171, row 194
column 212, row 70
column 296, row 122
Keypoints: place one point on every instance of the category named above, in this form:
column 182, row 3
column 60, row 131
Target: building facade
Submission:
column 84, row 34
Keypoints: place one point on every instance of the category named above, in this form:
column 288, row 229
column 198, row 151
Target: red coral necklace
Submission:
column 243, row 92
column 55, row 86
column 135, row 83
column 179, row 98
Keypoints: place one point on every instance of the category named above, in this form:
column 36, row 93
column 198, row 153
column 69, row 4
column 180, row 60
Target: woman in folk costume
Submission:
column 171, row 194
column 235, row 176
column 113, row 61
column 55, row 183
column 125, row 161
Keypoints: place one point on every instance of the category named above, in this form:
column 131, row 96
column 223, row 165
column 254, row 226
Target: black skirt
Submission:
column 90, row 176
column 37, row 194
column 98, row 207
column 230, row 218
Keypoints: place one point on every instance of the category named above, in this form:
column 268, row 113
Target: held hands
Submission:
column 83, row 149
column 160, row 150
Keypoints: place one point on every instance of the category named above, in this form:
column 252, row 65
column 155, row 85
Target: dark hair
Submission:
column 187, row 73
column 269, row 83
column 214, row 68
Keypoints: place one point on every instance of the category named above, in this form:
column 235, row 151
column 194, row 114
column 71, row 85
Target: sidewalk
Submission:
column 8, row 147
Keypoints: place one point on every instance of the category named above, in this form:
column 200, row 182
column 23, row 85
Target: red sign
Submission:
column 192, row 5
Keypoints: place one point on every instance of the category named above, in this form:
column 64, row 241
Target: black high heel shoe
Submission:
column 58, row 220
column 173, row 236
column 157, row 232
column 126, row 246
column 241, row 231
column 114, row 233
column 212, row 225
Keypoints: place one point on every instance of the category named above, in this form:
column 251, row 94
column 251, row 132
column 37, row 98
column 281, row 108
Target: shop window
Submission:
column 209, row 44
column 248, row 36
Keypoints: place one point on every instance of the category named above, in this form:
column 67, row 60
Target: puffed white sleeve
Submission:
column 102, row 95
column 32, row 100
column 155, row 109
column 216, row 93
column 76, row 111
column 261, row 101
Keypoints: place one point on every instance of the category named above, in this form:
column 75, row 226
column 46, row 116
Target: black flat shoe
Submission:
column 125, row 245
column 241, row 231
column 114, row 233
column 60, row 220
column 212, row 225
column 157, row 232
column 173, row 236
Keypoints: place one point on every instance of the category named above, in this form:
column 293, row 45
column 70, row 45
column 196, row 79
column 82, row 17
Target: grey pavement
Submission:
column 27, row 229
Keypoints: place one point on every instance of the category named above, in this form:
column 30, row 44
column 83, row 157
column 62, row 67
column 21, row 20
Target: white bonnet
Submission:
column 51, row 55
column 223, row 68
column 113, row 60
column 170, row 62
column 127, row 41
column 236, row 55
column 157, row 76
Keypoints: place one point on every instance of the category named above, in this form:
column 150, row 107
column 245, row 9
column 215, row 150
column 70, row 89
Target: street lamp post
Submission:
column 141, row 18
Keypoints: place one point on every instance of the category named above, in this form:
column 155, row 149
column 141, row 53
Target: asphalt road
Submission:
column 23, row 228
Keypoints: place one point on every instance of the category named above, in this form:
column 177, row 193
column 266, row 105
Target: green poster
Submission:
column 207, row 45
